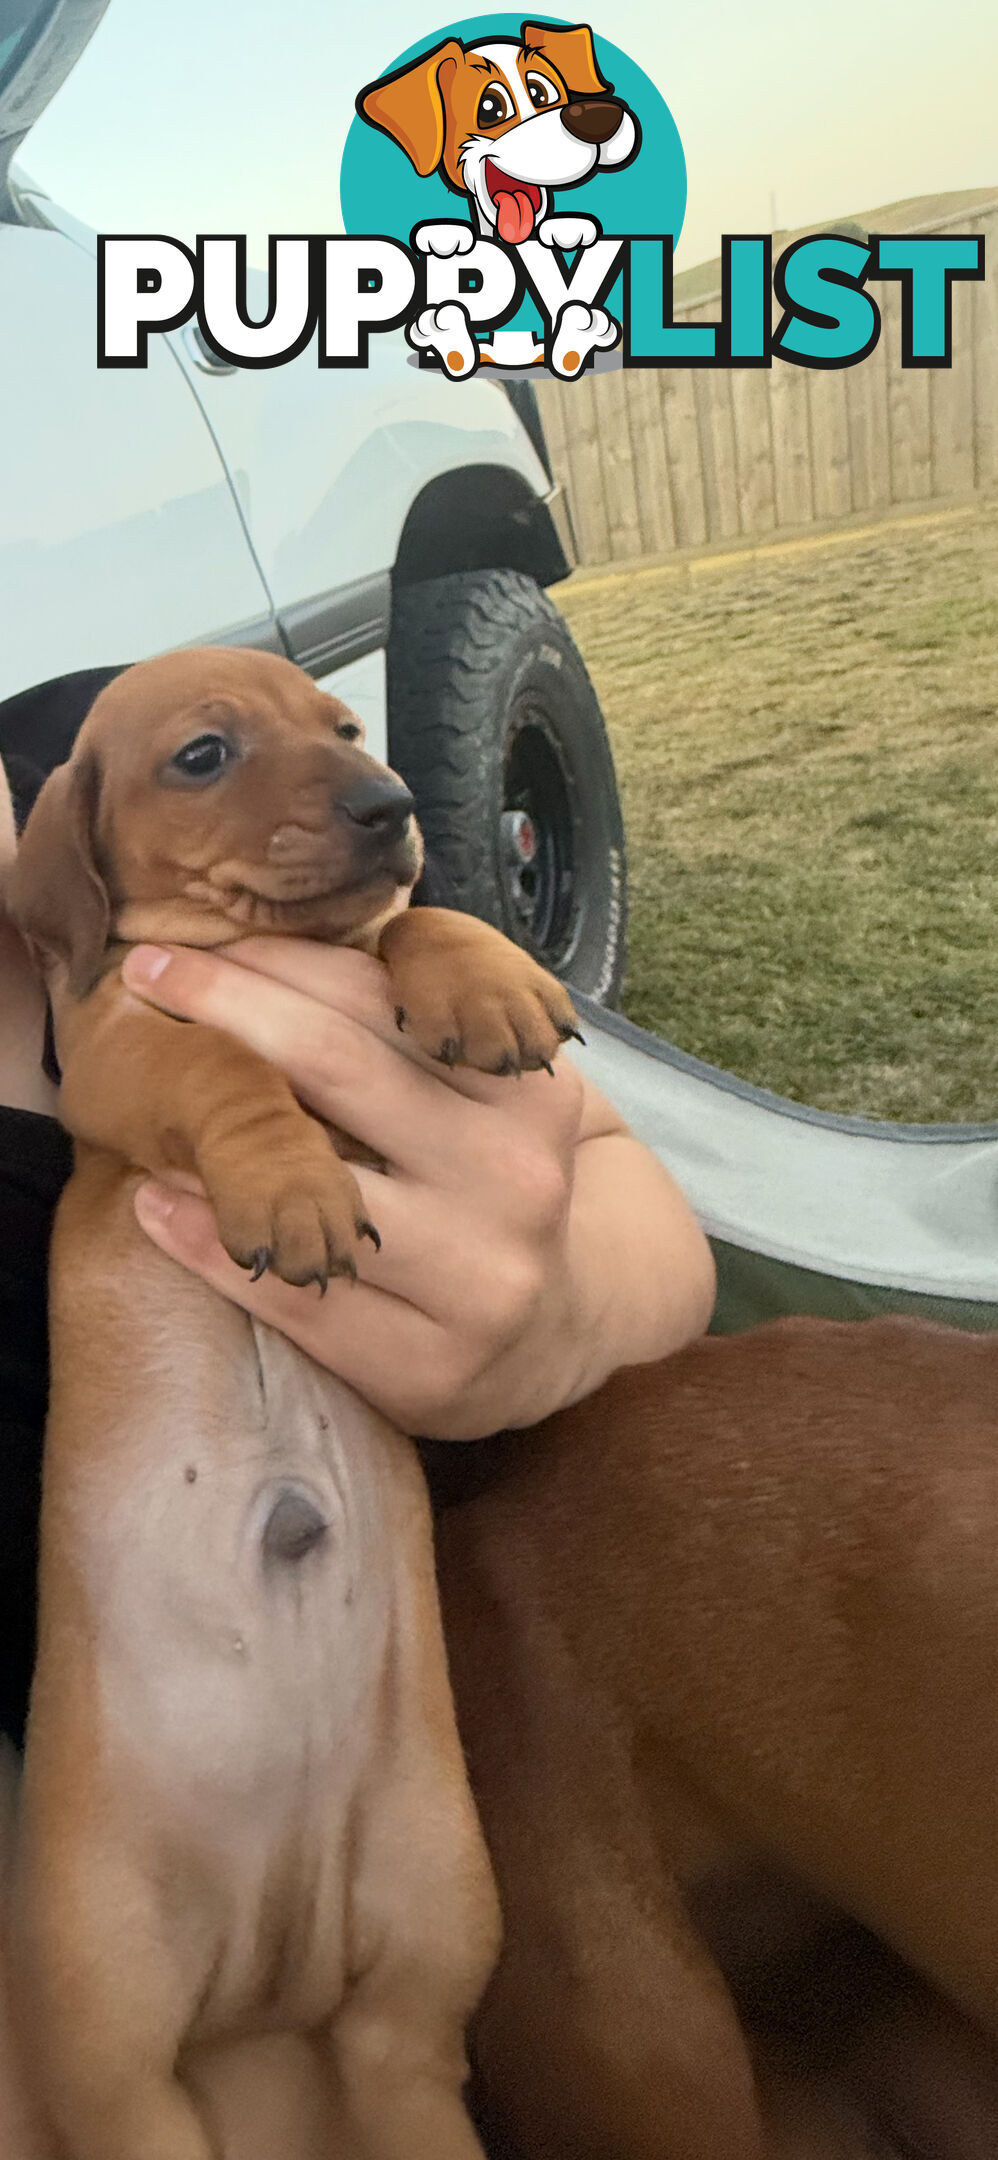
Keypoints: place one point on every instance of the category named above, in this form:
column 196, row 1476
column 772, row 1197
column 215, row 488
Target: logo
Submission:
column 499, row 154
column 512, row 194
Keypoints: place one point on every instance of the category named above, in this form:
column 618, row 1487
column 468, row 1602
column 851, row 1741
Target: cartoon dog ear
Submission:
column 571, row 52
column 54, row 891
column 409, row 106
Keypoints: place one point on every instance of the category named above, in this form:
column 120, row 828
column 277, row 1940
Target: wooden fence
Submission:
column 657, row 458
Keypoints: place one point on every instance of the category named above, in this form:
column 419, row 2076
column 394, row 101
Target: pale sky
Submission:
column 230, row 115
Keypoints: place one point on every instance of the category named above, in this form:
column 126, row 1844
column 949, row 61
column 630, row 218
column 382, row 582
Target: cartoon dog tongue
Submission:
column 514, row 216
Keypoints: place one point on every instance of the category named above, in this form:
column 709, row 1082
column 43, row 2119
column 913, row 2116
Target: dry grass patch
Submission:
column 807, row 747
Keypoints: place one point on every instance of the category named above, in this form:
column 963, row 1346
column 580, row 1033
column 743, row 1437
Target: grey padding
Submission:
column 913, row 1208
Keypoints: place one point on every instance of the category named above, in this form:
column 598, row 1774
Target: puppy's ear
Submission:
column 570, row 51
column 54, row 891
column 410, row 107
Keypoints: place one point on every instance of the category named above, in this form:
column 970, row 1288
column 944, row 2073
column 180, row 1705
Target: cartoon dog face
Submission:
column 505, row 122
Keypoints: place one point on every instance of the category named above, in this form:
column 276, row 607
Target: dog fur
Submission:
column 724, row 1646
column 245, row 1809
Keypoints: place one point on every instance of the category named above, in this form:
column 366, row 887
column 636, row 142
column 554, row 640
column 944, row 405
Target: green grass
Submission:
column 807, row 749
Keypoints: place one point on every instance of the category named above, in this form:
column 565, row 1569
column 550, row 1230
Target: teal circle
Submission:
column 380, row 191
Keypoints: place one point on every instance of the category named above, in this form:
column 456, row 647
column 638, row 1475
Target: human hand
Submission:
column 520, row 1263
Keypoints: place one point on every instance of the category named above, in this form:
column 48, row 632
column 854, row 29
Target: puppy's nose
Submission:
column 380, row 803
column 593, row 120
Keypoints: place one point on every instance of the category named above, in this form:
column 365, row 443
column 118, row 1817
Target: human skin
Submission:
column 530, row 1245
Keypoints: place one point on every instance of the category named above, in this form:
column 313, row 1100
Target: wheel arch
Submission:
column 483, row 517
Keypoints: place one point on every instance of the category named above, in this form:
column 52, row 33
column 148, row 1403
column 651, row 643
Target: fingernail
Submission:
column 155, row 1203
column 145, row 963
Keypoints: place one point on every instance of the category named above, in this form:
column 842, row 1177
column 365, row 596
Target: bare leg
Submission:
column 402, row 2083
column 109, row 1996
column 271, row 2098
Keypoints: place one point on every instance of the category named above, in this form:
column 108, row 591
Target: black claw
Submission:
column 449, row 1051
column 507, row 1064
column 401, row 1016
column 547, row 1066
column 571, row 1034
column 260, row 1262
column 318, row 1275
column 367, row 1229
column 346, row 1266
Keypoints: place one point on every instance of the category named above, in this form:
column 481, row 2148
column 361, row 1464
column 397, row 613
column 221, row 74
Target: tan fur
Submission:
column 570, row 54
column 429, row 107
column 724, row 1645
column 245, row 1809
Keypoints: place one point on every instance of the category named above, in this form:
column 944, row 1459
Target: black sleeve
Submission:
column 35, row 1161
column 39, row 727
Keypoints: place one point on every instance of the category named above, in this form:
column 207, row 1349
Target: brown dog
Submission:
column 245, row 1807
column 724, row 1647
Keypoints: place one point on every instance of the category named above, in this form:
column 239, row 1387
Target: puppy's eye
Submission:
column 494, row 105
column 203, row 759
column 349, row 730
column 541, row 91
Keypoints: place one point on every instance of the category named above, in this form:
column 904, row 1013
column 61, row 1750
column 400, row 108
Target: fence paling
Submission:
column 656, row 459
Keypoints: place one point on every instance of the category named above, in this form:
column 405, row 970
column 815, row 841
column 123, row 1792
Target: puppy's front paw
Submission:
column 298, row 1215
column 499, row 1011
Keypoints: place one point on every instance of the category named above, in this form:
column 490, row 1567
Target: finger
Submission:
column 352, row 1077
column 351, row 984
column 431, row 1256
column 377, row 1343
column 360, row 987
column 472, row 1277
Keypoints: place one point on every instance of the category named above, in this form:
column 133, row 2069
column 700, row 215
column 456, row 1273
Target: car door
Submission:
column 119, row 531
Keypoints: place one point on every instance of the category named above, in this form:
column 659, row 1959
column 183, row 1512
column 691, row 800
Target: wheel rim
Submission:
column 537, row 840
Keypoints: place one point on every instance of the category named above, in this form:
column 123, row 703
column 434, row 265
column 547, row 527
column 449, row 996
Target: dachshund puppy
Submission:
column 245, row 1809
column 212, row 794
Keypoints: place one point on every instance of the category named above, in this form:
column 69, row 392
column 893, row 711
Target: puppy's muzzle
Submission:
column 593, row 120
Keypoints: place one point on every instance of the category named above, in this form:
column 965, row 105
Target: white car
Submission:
column 389, row 530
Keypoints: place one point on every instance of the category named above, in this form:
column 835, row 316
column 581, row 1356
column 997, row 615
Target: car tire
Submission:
column 495, row 726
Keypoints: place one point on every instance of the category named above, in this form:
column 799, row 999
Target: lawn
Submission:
column 806, row 741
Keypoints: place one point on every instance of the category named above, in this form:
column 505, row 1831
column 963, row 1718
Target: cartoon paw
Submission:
column 580, row 331
column 444, row 330
column 513, row 349
column 444, row 240
column 568, row 233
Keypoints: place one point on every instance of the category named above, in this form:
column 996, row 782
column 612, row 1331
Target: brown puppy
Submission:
column 213, row 793
column 723, row 1635
column 245, row 1807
